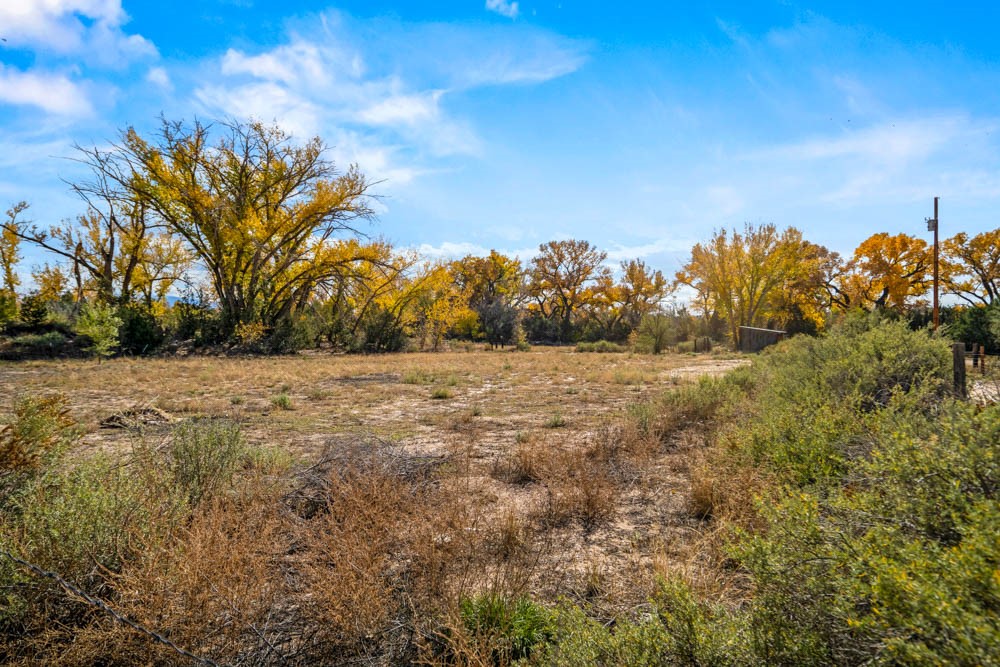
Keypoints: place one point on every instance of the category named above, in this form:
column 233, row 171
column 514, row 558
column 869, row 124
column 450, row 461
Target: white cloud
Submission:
column 53, row 93
column 381, row 91
column 892, row 142
column 503, row 7
column 268, row 102
column 90, row 29
column 451, row 250
column 298, row 62
column 158, row 77
column 621, row 253
column 403, row 109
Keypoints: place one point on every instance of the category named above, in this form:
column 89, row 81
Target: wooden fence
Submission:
column 982, row 368
column 753, row 339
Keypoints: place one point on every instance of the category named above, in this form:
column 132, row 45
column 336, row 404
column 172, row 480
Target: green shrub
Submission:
column 678, row 630
column 899, row 565
column 555, row 421
column 290, row 335
column 43, row 343
column 193, row 318
column 509, row 629
column 82, row 523
column 99, row 323
column 656, row 332
column 418, row 376
column 600, row 346
column 685, row 347
column 33, row 310
column 816, row 399
column 140, row 331
column 282, row 401
column 8, row 308
column 204, row 457
column 869, row 541
column 689, row 405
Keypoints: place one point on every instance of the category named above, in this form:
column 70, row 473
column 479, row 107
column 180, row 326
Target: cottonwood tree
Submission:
column 9, row 257
column 620, row 305
column 739, row 275
column 114, row 254
column 972, row 267
column 261, row 214
column 439, row 304
column 803, row 299
column 887, row 272
column 114, row 251
column 560, row 280
column 10, row 241
column 494, row 288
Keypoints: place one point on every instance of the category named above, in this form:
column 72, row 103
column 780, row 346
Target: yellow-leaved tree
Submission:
column 439, row 305
column 887, row 272
column 741, row 276
column 263, row 216
column 619, row 305
column 561, row 280
column 9, row 242
column 972, row 267
column 494, row 289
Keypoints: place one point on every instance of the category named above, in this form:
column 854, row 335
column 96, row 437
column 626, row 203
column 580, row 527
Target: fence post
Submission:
column 958, row 359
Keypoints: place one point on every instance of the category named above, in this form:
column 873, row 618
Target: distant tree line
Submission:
column 234, row 234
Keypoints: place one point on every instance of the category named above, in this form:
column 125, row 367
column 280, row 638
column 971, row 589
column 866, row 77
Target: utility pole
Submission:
column 932, row 224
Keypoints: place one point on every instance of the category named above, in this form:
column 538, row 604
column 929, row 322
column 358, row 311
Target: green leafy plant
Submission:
column 282, row 401
column 204, row 457
column 99, row 323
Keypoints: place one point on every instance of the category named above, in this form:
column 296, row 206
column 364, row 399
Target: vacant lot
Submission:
column 426, row 402
column 549, row 478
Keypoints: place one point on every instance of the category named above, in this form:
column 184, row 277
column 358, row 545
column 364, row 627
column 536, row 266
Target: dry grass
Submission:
column 399, row 506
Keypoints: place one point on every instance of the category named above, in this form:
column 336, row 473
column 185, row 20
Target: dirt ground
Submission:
column 473, row 408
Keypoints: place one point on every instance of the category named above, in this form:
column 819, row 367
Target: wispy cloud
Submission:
column 451, row 250
column 403, row 109
column 619, row 253
column 158, row 77
column 503, row 7
column 894, row 142
column 91, row 30
column 381, row 87
column 53, row 93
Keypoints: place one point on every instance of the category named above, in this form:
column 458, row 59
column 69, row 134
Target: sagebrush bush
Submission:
column 866, row 492
column 204, row 457
column 603, row 346
column 82, row 522
column 39, row 430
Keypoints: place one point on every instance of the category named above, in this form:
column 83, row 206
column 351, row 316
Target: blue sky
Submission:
column 641, row 127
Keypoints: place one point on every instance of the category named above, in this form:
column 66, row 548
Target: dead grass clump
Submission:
column 723, row 491
column 523, row 466
column 576, row 489
column 218, row 590
column 346, row 567
column 39, row 429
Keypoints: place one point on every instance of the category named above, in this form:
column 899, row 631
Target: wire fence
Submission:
column 982, row 376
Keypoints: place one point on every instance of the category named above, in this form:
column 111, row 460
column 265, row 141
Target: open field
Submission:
column 513, row 434
column 480, row 508
column 429, row 402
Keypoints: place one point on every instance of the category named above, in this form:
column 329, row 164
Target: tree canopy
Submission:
column 261, row 214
